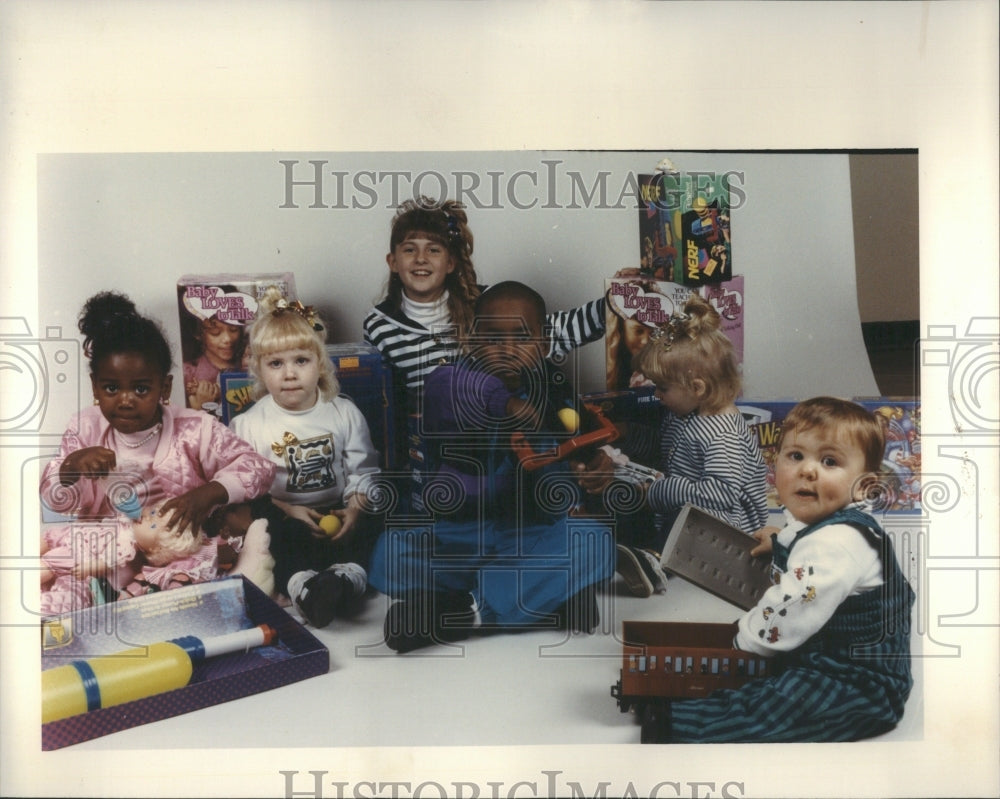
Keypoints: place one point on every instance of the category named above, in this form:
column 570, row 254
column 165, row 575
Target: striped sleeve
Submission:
column 714, row 463
column 571, row 329
column 414, row 353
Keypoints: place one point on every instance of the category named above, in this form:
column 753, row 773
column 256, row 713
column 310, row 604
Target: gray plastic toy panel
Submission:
column 716, row 557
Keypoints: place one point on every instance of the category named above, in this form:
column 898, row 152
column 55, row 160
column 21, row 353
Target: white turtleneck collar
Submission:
column 429, row 314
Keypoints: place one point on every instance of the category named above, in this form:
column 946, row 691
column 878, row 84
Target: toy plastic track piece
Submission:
column 716, row 556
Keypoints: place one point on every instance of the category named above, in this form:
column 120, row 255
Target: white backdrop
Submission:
column 561, row 221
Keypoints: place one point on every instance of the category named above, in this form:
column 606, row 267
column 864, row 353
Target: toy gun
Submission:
column 84, row 685
column 530, row 460
column 601, row 437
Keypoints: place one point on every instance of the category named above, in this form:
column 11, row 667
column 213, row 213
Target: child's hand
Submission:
column 92, row 462
column 596, row 474
column 764, row 543
column 303, row 514
column 349, row 515
column 192, row 509
column 201, row 391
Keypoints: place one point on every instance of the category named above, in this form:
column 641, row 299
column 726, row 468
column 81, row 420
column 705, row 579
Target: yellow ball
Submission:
column 570, row 419
column 330, row 524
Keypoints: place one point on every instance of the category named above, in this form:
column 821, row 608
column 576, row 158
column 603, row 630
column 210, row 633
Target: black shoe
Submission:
column 323, row 596
column 655, row 724
column 580, row 613
column 421, row 620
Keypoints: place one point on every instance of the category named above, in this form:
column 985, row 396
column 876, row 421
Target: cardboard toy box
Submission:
column 205, row 610
column 900, row 465
column 684, row 228
column 637, row 306
column 681, row 660
column 365, row 377
column 215, row 314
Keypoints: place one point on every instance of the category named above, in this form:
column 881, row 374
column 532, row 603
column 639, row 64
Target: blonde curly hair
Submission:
column 281, row 325
column 693, row 347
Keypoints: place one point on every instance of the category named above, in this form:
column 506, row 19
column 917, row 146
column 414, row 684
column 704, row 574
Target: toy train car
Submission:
column 680, row 660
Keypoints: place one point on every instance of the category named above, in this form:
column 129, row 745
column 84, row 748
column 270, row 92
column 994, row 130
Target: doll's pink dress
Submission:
column 111, row 541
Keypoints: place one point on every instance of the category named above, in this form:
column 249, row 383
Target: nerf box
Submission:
column 636, row 306
column 684, row 227
column 900, row 470
column 681, row 660
column 110, row 653
column 363, row 376
column 215, row 315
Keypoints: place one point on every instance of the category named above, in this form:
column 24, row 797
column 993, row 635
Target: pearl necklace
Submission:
column 154, row 432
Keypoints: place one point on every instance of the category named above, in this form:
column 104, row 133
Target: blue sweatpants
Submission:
column 518, row 575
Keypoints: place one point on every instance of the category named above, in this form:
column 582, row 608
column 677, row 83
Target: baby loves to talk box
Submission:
column 636, row 306
column 215, row 316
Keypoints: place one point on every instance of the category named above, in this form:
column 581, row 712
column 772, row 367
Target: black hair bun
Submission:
column 104, row 310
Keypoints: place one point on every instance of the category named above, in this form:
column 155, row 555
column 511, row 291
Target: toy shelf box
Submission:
column 681, row 660
column 215, row 313
column 205, row 610
column 364, row 378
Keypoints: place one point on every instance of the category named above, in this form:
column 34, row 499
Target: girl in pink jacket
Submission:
column 133, row 449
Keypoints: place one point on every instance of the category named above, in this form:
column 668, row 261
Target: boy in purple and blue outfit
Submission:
column 502, row 552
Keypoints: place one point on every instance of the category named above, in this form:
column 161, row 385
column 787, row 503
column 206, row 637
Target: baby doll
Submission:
column 131, row 557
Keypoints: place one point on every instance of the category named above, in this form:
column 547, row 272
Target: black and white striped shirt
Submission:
column 414, row 351
column 713, row 462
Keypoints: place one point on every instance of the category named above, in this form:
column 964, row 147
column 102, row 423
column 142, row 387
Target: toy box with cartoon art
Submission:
column 684, row 228
column 900, row 473
column 111, row 667
column 363, row 377
column 637, row 305
column 215, row 315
